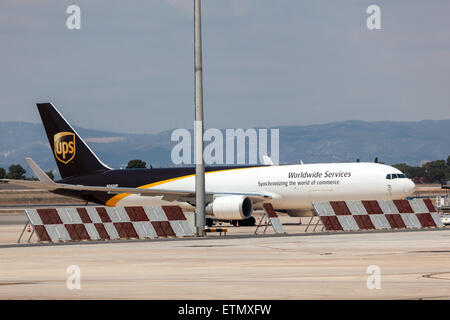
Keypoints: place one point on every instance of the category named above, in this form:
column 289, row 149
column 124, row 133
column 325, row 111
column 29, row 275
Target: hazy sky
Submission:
column 266, row 63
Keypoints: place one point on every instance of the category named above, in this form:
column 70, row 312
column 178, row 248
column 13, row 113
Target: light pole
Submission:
column 198, row 127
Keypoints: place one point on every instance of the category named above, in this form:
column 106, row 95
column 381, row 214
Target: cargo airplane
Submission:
column 232, row 193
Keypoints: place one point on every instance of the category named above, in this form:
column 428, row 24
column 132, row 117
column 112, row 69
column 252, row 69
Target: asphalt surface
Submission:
column 411, row 265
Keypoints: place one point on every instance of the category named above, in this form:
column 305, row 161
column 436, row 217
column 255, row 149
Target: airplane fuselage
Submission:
column 291, row 187
column 231, row 192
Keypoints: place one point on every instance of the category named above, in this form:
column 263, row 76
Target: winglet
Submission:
column 40, row 174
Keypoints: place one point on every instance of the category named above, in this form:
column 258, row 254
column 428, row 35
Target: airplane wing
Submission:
column 153, row 192
column 170, row 195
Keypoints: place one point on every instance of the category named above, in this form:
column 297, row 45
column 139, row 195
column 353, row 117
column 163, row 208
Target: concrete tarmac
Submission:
column 412, row 265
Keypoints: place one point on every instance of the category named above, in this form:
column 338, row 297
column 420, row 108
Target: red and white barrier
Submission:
column 108, row 223
column 274, row 221
column 381, row 214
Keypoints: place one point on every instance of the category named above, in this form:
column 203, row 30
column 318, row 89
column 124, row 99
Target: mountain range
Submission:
column 392, row 142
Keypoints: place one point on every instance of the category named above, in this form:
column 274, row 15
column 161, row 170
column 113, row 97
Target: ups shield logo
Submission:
column 64, row 145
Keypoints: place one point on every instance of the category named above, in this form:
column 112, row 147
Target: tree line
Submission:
column 17, row 172
column 429, row 172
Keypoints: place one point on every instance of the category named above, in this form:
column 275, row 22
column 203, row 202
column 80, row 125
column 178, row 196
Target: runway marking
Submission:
column 3, row 284
column 434, row 275
column 208, row 245
column 275, row 248
column 427, row 298
column 430, row 251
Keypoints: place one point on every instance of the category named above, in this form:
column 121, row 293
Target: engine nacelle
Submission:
column 231, row 207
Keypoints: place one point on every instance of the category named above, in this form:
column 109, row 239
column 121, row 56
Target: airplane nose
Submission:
column 409, row 187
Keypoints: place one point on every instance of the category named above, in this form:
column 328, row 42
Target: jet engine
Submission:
column 230, row 208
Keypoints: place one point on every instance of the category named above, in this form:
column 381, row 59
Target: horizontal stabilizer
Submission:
column 40, row 174
column 29, row 183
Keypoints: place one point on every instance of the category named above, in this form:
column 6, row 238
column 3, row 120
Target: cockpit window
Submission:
column 395, row 176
